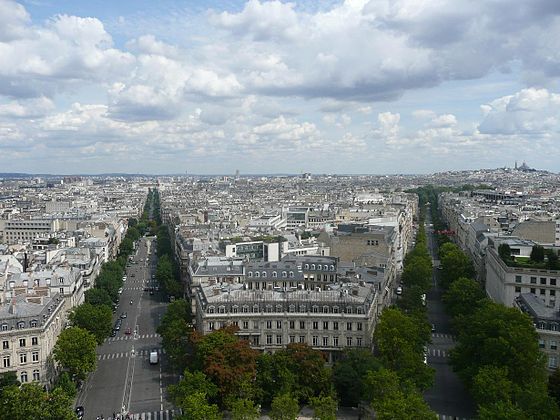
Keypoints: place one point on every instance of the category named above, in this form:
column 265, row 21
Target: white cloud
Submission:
column 529, row 111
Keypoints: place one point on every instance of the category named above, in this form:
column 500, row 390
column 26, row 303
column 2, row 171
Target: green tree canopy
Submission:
column 284, row 407
column 463, row 297
column 30, row 401
column 94, row 318
column 244, row 409
column 96, row 296
column 400, row 341
column 324, row 407
column 75, row 351
column 349, row 375
column 175, row 330
column 455, row 264
column 196, row 407
column 537, row 253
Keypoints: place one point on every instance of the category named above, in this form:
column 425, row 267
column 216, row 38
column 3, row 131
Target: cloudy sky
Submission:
column 356, row 86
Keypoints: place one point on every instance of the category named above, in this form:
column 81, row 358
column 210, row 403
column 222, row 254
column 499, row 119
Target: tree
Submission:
column 349, row 375
column 463, row 297
column 501, row 410
column 97, row 296
column 504, row 251
column 497, row 334
column 393, row 401
column 455, row 264
column 191, row 383
column 537, row 253
column 196, row 407
column 284, row 407
column 244, row 409
column 324, row 408
column 554, row 385
column 400, row 341
column 175, row 330
column 95, row 319
column 8, row 379
column 30, row 401
column 552, row 260
column 417, row 272
column 491, row 384
column 66, row 385
column 75, row 351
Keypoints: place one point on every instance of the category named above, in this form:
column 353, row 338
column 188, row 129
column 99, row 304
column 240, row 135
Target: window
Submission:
column 234, row 309
column 292, row 308
column 257, row 274
column 279, row 324
column 553, row 345
column 211, row 325
column 542, row 291
column 349, row 341
column 21, row 325
column 255, row 324
column 6, row 360
column 335, row 325
column 518, row 279
column 269, row 308
column 255, row 308
column 279, row 308
column 533, row 280
column 315, row 325
column 315, row 308
column 291, row 274
column 552, row 292
column 325, row 309
column 22, row 342
column 359, row 341
column 269, row 339
column 23, row 358
column 23, row 377
column 332, row 267
column 250, row 274
column 517, row 289
column 274, row 274
column 541, row 343
column 543, row 280
column 533, row 290
column 61, row 290
column 292, row 325
column 36, row 376
column 552, row 362
column 302, row 338
column 349, row 326
column 222, row 309
column 335, row 309
column 33, row 323
column 210, row 309
column 284, row 274
column 264, row 273
column 4, row 327
column 553, row 282
column 315, row 340
column 269, row 325
column 5, row 345
column 359, row 326
column 245, row 325
column 335, row 341
column 325, row 325
column 35, row 356
column 279, row 339
column 325, row 341
column 292, row 338
column 301, row 325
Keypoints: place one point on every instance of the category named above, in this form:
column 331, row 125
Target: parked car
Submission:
column 153, row 357
column 127, row 331
column 399, row 290
column 123, row 315
column 80, row 411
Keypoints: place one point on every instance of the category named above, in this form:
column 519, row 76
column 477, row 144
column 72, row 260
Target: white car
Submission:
column 399, row 290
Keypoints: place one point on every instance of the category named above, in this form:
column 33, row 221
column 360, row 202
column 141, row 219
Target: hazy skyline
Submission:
column 385, row 86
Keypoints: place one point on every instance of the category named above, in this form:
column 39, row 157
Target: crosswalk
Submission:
column 153, row 415
column 118, row 355
column 438, row 353
column 439, row 335
column 130, row 337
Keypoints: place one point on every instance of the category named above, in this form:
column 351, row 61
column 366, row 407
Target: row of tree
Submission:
column 497, row 353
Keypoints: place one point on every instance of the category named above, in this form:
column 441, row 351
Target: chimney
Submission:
column 25, row 262
column 12, row 309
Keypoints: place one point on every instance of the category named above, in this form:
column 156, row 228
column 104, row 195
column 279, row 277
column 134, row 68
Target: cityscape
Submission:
column 272, row 210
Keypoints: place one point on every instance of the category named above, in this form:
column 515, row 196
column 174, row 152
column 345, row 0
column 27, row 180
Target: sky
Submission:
column 211, row 87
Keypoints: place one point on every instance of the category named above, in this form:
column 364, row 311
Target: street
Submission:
column 448, row 397
column 125, row 381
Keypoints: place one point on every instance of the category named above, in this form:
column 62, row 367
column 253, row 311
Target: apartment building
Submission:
column 327, row 320
column 29, row 327
column 547, row 324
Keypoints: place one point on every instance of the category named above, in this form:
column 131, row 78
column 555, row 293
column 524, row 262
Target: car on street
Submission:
column 113, row 333
column 153, row 357
column 80, row 411
column 127, row 331
column 399, row 290
column 433, row 327
column 123, row 315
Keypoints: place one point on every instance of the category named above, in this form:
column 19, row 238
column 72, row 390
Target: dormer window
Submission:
column 33, row 323
column 264, row 273
column 21, row 325
column 210, row 309
column 274, row 274
column 291, row 274
column 250, row 274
